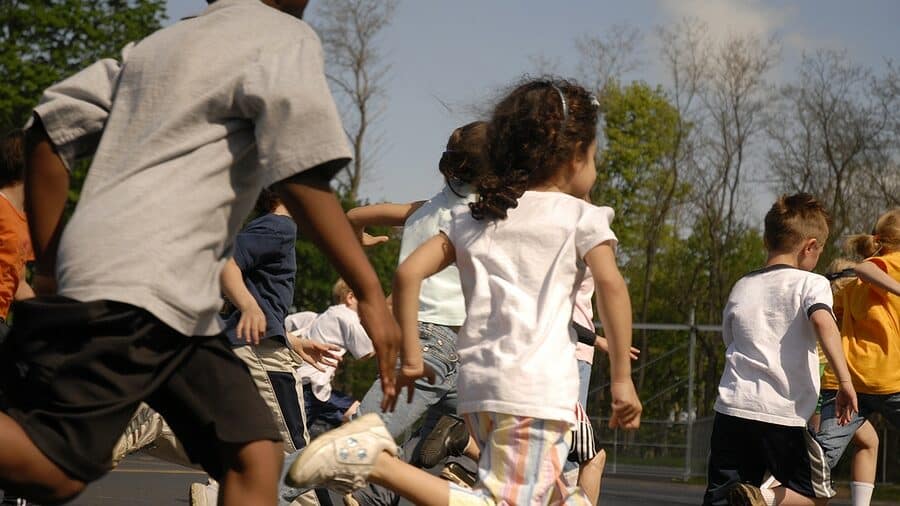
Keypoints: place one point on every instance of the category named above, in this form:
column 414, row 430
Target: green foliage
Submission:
column 45, row 41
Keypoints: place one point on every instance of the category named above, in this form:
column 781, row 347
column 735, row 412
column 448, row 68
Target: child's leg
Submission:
column 590, row 474
column 25, row 470
column 251, row 473
column 439, row 352
column 864, row 464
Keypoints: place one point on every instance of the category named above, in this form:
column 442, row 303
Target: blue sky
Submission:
column 462, row 53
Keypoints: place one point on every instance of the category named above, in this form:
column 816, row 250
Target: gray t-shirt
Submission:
column 195, row 119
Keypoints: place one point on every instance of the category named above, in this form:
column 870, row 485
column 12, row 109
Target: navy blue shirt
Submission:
column 264, row 251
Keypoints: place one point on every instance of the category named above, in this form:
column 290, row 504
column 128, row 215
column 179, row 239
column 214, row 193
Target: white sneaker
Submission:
column 343, row 458
column 205, row 494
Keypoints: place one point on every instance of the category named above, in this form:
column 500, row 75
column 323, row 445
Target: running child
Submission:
column 517, row 249
column 870, row 312
column 15, row 242
column 770, row 384
column 185, row 132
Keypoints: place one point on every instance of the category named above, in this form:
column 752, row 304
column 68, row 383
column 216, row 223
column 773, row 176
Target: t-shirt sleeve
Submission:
column 74, row 111
column 817, row 296
column 593, row 228
column 251, row 247
column 296, row 121
column 356, row 340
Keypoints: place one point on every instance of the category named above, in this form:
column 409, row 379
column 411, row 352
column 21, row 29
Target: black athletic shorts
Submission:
column 741, row 451
column 75, row 373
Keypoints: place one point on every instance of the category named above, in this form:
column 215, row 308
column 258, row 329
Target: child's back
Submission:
column 771, row 363
column 519, row 277
column 338, row 325
column 189, row 141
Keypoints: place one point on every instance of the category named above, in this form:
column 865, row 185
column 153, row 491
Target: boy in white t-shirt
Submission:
column 770, row 383
column 339, row 325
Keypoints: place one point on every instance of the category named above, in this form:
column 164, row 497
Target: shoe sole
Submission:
column 742, row 495
column 308, row 455
column 436, row 446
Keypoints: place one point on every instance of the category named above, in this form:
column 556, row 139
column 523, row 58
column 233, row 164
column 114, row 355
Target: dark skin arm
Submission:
column 46, row 191
column 310, row 200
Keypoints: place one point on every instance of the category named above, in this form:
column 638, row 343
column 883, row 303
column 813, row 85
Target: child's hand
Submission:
column 368, row 240
column 252, row 324
column 626, row 407
column 845, row 403
column 384, row 332
column 603, row 345
column 318, row 355
column 406, row 378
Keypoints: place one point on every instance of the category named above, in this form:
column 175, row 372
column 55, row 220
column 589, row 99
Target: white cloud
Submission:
column 726, row 17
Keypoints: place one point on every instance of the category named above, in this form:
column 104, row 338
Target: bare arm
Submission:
column 614, row 310
column 319, row 216
column 830, row 340
column 252, row 324
column 429, row 258
column 23, row 291
column 386, row 214
column 46, row 191
column 872, row 274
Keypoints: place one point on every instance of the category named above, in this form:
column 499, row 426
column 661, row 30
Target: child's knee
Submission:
column 60, row 491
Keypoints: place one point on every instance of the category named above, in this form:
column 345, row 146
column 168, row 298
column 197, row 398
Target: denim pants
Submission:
column 439, row 353
column 834, row 438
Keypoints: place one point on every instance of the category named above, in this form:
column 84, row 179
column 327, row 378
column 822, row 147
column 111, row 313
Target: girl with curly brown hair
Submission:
column 521, row 249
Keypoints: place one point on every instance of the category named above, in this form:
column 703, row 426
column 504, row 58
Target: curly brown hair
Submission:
column 534, row 131
column 465, row 159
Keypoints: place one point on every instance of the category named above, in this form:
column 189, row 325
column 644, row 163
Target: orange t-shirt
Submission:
column 870, row 333
column 15, row 251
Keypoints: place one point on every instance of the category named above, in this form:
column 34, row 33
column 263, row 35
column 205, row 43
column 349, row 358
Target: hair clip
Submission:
column 562, row 98
column 846, row 273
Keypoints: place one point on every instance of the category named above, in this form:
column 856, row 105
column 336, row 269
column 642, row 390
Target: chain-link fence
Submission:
column 673, row 440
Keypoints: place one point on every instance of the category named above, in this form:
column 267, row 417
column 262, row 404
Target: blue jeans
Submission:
column 834, row 438
column 439, row 353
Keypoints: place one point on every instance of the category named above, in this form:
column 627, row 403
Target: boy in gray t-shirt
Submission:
column 185, row 130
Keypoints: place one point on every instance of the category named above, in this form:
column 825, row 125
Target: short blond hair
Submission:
column 340, row 291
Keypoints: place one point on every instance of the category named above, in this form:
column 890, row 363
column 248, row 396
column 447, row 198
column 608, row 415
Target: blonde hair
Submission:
column 794, row 218
column 340, row 291
column 837, row 265
column 885, row 237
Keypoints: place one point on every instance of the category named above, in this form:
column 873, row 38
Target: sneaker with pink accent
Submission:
column 343, row 458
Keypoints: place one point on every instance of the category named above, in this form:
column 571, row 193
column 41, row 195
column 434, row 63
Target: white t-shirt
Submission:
column 194, row 121
column 519, row 277
column 771, row 366
column 299, row 323
column 583, row 314
column 338, row 325
column 440, row 298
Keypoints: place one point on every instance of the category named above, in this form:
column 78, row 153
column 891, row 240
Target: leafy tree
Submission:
column 45, row 41
column 637, row 176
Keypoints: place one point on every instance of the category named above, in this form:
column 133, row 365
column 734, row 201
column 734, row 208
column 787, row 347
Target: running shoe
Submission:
column 456, row 473
column 449, row 437
column 343, row 458
column 744, row 494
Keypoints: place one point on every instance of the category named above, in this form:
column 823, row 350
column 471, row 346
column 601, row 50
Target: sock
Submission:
column 768, row 495
column 861, row 493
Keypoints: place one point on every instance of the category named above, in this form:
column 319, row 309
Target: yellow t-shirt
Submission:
column 870, row 331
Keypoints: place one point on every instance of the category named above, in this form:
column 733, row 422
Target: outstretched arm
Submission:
column 319, row 216
column 386, row 215
column 872, row 274
column 431, row 257
column 614, row 310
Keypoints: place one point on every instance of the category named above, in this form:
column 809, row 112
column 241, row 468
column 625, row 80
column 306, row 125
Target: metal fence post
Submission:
column 689, row 437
